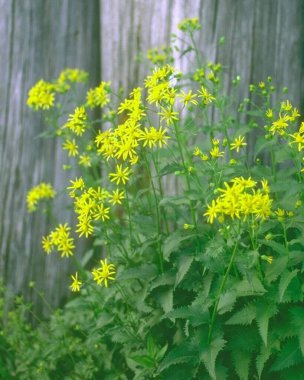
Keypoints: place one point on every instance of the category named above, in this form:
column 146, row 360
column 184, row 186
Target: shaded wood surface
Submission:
column 38, row 38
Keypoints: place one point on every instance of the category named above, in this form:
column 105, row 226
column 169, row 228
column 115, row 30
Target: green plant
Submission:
column 205, row 282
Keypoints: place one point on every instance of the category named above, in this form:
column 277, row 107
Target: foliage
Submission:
column 202, row 283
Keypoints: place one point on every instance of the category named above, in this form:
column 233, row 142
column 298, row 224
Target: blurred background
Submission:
column 108, row 38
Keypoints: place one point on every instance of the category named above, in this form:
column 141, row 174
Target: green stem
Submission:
column 178, row 139
column 129, row 215
column 158, row 224
column 161, row 192
column 221, row 290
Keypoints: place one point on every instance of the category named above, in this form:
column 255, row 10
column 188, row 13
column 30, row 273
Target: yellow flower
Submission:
column 116, row 197
column 211, row 212
column 188, row 97
column 98, row 96
column 280, row 214
column 85, row 227
column 121, row 175
column 37, row 193
column 168, row 115
column 104, row 273
column 207, row 97
column 71, row 146
column 189, row 25
column 269, row 113
column 76, row 284
column 60, row 240
column 85, row 160
column 215, row 152
column 77, row 121
column 78, row 184
column 238, row 143
column 269, row 259
column 102, row 213
column 41, row 96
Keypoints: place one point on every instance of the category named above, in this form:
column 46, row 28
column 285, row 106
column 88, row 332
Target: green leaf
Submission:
column 274, row 270
column 145, row 272
column 244, row 316
column 226, row 302
column 264, row 312
column 301, row 340
column 144, row 360
column 248, row 287
column 285, row 281
column 184, row 353
column 277, row 247
column 289, row 355
column 241, row 360
column 173, row 243
column 209, row 353
column 262, row 144
column 165, row 299
column 87, row 257
column 183, row 264
column 196, row 314
column 262, row 359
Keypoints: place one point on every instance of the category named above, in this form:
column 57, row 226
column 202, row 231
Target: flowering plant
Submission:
column 204, row 278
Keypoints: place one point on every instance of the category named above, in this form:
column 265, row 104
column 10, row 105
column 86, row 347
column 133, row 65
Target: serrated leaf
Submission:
column 167, row 278
column 301, row 340
column 145, row 271
column 226, row 302
column 173, row 242
column 170, row 168
column 248, row 287
column 183, row 353
column 209, row 353
column 262, row 359
column 241, row 361
column 285, row 281
column 183, row 264
column 264, row 311
column 144, row 360
column 165, row 299
column 244, row 316
column 277, row 247
column 274, row 270
column 289, row 355
column 262, row 144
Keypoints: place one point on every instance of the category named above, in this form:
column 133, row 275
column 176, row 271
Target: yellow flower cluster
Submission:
column 189, row 25
column 37, row 193
column 92, row 204
column 77, row 121
column 240, row 199
column 124, row 141
column 68, row 76
column 42, row 95
column 101, row 275
column 104, row 273
column 160, row 86
column 59, row 240
column 160, row 56
column 287, row 114
column 298, row 137
column 98, row 96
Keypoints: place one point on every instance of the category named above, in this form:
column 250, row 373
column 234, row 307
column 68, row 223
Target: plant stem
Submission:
column 158, row 225
column 221, row 290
